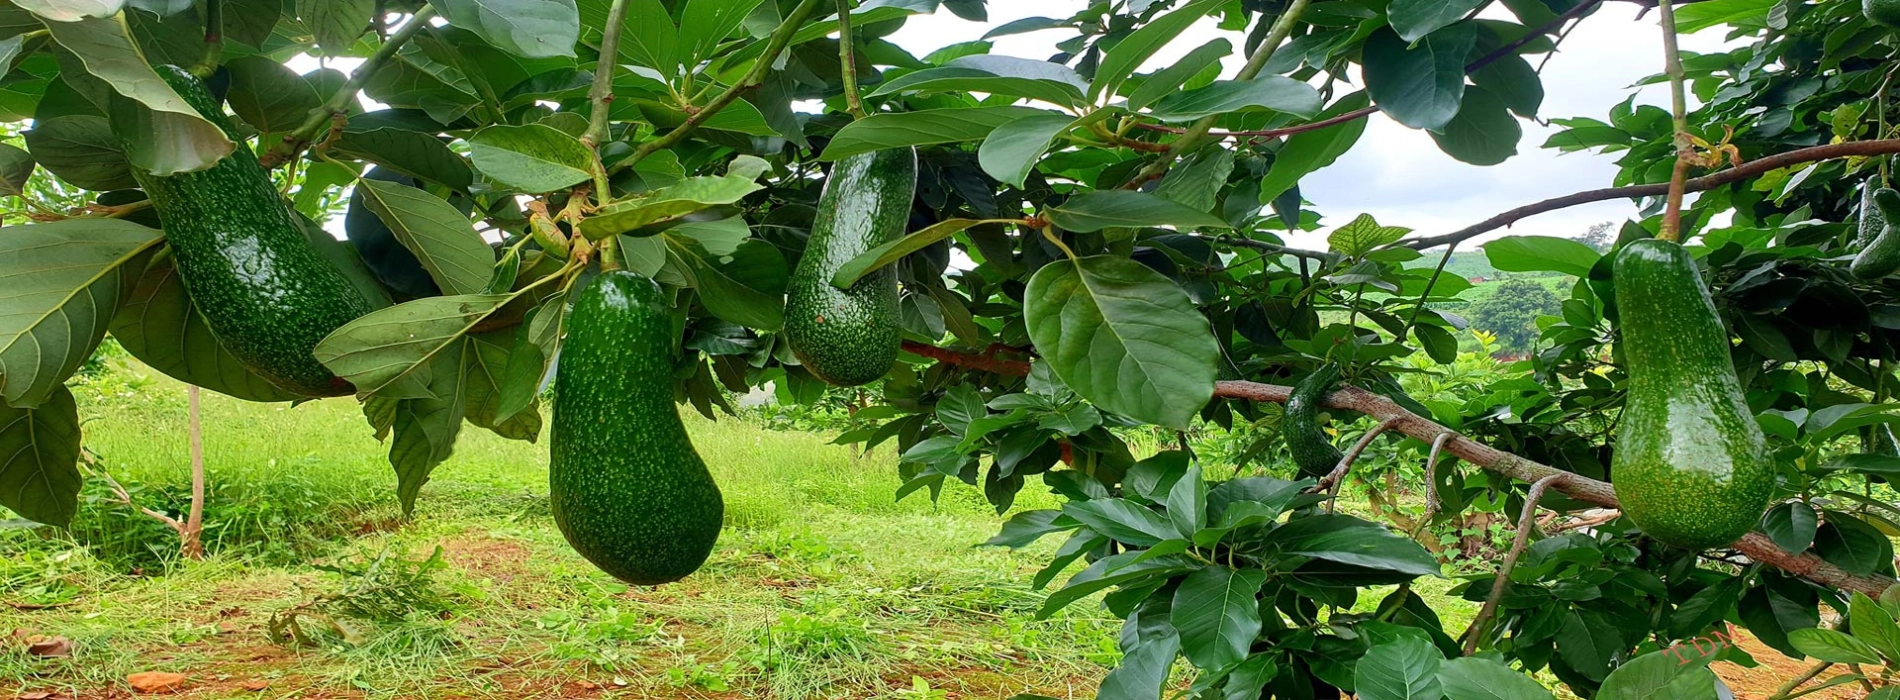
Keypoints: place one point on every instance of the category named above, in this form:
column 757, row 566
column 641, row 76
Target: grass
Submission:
column 822, row 586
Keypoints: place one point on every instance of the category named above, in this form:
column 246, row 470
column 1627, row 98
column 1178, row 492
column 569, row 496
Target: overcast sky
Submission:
column 1398, row 174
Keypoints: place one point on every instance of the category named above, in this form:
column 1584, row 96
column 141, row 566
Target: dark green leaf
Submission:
column 80, row 149
column 1852, row 544
column 1349, row 540
column 1122, row 520
column 1102, row 209
column 1135, row 49
column 16, row 166
column 1420, row 86
column 1478, row 678
column 1483, row 133
column 336, row 23
column 63, row 281
column 1541, row 254
column 1217, row 616
column 1416, row 18
column 1307, row 152
column 747, row 288
column 1168, row 81
column 268, row 96
column 1402, row 669
column 532, row 158
column 1791, row 525
column 1832, row 646
column 889, row 253
column 526, row 28
column 441, row 237
column 1272, row 92
column 1011, row 151
column 922, row 128
column 39, row 459
column 411, row 153
column 1439, row 343
column 423, row 430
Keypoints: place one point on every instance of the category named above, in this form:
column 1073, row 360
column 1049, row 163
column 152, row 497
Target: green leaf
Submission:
column 1187, row 504
column 964, row 78
column 532, row 158
column 1168, row 81
column 1272, row 92
column 1149, row 644
column 336, row 23
column 889, row 253
column 1439, row 343
column 159, row 325
column 442, row 238
column 1832, row 646
column 16, row 166
column 1402, row 669
column 647, row 37
column 1362, row 235
column 1413, row 19
column 1478, row 678
column 413, row 153
column 63, row 282
column 39, row 459
column 1691, row 19
column 1136, row 48
column 175, row 138
column 71, row 10
column 1791, row 525
column 1541, row 254
column 1110, row 571
column 1307, row 152
column 1419, row 86
column 1196, row 182
column 1122, row 520
column 1025, row 527
column 526, row 28
column 705, row 23
column 678, row 199
column 1513, row 80
column 268, row 96
column 1659, row 675
column 80, row 149
column 1010, row 152
column 423, row 430
column 1094, row 211
column 1587, row 642
column 922, row 128
column 1124, row 337
column 748, row 288
column 1483, row 133
column 1349, row 540
column 1217, row 616
column 1852, row 544
column 486, row 363
column 379, row 350
column 1874, row 625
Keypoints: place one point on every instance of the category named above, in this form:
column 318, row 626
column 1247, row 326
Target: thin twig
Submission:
column 1338, row 474
column 1679, row 111
column 1249, row 243
column 847, row 62
column 339, row 103
column 780, row 38
column 1697, row 184
column 601, row 94
column 191, row 535
column 1526, row 524
column 1787, row 689
column 1431, row 483
column 92, row 466
column 1591, row 521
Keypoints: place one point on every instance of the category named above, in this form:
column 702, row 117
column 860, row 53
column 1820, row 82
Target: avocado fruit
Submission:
column 1885, row 13
column 241, row 252
column 626, row 486
column 1312, row 451
column 1881, row 257
column 1690, row 466
column 1871, row 222
column 849, row 337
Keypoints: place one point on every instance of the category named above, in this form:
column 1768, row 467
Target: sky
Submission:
column 1398, row 174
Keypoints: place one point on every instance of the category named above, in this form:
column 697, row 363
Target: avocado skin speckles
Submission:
column 1691, row 467
column 848, row 337
column 627, row 488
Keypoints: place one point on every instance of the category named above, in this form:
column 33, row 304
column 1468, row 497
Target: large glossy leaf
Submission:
column 1791, row 525
column 647, row 37
column 1349, row 540
column 526, row 28
column 1169, row 80
column 1874, row 625
column 379, row 350
column 1852, row 544
column 173, row 137
column 1217, row 615
column 922, row 128
column 1135, row 49
column 1661, row 675
column 16, row 165
column 159, row 325
column 1588, row 643
column 1123, row 520
column 1094, row 211
column 423, row 430
column 1477, row 678
column 1419, row 86
column 1011, row 151
column 1124, row 337
column 1832, row 646
column 671, row 202
column 532, row 158
column 1270, row 92
column 1362, row 235
column 336, row 23
column 413, row 153
column 958, row 78
column 440, row 236
column 268, row 96
column 80, row 149
column 889, row 253
column 63, row 282
column 705, row 23
column 39, row 459
column 1483, row 133
column 1149, row 644
column 71, row 10
column 1405, row 668
column 747, row 287
column 1413, row 19
column 1541, row 254
column 1312, row 150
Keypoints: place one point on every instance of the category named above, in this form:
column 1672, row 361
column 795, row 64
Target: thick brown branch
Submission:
column 1576, row 486
column 1699, row 184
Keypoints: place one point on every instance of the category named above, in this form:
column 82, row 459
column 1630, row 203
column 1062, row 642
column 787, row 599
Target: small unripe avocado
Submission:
column 1881, row 257
column 1882, row 12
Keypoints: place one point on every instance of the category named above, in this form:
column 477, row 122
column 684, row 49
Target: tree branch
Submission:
column 1251, row 244
column 319, row 118
column 780, row 38
column 1526, row 524
column 601, row 94
column 848, row 63
column 1698, row 184
column 1679, row 119
column 1576, row 486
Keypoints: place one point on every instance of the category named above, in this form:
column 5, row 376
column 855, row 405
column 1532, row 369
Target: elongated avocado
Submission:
column 1312, row 451
column 1871, row 222
column 627, row 488
column 242, row 255
column 1690, row 464
column 851, row 336
column 1882, row 256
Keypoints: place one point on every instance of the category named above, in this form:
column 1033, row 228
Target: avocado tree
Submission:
column 1059, row 250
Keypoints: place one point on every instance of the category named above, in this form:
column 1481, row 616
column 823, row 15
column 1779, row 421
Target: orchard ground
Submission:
column 822, row 585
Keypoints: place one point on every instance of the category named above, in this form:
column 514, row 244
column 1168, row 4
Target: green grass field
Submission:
column 822, row 586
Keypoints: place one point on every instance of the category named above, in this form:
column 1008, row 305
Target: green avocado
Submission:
column 242, row 254
column 1882, row 256
column 1312, row 451
column 1690, row 465
column 1882, row 12
column 851, row 336
column 1871, row 222
column 627, row 488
